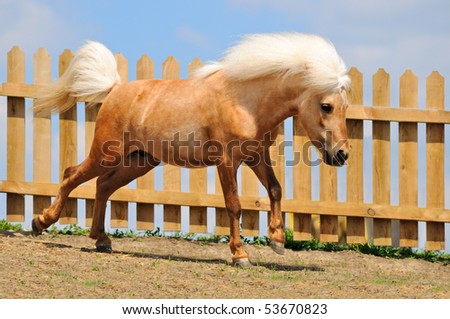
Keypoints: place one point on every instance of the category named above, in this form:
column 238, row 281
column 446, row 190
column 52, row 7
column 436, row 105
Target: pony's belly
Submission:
column 184, row 153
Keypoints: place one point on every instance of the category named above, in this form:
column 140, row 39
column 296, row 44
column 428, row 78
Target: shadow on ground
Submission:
column 268, row 265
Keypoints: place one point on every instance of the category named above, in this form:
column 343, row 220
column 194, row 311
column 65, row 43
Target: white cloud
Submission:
column 32, row 24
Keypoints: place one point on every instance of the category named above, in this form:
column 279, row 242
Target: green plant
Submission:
column 153, row 233
column 211, row 238
column 4, row 225
column 129, row 233
column 73, row 230
column 367, row 248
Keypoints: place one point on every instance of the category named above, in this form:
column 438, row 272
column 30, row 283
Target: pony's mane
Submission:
column 310, row 58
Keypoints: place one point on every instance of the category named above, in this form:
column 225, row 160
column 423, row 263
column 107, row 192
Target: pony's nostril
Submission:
column 342, row 155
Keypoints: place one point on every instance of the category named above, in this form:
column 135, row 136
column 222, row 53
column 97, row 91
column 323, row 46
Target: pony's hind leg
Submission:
column 136, row 165
column 73, row 176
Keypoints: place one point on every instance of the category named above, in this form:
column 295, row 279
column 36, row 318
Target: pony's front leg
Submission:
column 264, row 171
column 227, row 175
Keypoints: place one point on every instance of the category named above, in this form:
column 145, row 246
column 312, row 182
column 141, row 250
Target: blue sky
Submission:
column 396, row 35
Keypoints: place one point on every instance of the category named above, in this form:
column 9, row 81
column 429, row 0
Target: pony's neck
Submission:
column 270, row 101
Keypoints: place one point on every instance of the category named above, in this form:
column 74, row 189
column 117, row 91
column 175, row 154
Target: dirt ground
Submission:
column 60, row 266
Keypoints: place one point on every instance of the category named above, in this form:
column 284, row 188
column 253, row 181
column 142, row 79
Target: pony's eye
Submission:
column 327, row 108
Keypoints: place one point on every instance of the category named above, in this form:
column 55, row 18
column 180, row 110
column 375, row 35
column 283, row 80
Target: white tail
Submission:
column 90, row 77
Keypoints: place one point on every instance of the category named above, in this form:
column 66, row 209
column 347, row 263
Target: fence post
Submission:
column 381, row 158
column 15, row 170
column 171, row 174
column 435, row 161
column 355, row 185
column 408, row 160
column 145, row 213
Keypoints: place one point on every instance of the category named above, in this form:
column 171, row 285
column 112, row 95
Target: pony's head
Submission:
column 323, row 118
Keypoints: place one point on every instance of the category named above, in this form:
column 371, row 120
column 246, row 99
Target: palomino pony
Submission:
column 261, row 81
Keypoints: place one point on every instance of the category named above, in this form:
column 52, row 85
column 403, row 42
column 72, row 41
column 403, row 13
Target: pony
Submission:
column 225, row 115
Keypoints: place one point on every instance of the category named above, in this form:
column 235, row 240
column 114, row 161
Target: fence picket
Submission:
column 197, row 181
column 171, row 174
column 90, row 118
column 119, row 210
column 250, row 218
column 222, row 219
column 408, row 159
column 435, row 160
column 355, row 227
column 42, row 133
column 301, row 180
column 67, row 144
column 145, row 213
column 15, row 169
column 381, row 158
column 328, row 192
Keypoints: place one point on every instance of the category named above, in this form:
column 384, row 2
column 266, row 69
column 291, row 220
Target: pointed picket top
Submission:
column 193, row 66
column 145, row 68
column 122, row 66
column 42, row 67
column 170, row 69
column 435, row 91
column 409, row 88
column 16, row 65
column 356, row 87
column 64, row 61
column 381, row 85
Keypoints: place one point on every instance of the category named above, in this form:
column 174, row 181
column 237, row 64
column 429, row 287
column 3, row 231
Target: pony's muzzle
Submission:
column 337, row 160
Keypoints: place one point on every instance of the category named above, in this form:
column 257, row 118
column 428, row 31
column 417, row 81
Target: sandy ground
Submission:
column 60, row 266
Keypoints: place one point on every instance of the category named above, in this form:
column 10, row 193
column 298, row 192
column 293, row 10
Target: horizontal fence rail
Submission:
column 327, row 218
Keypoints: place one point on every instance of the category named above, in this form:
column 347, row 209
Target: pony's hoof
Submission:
column 277, row 247
column 35, row 226
column 242, row 263
column 104, row 248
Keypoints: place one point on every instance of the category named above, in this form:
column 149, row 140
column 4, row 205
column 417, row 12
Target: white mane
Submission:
column 313, row 59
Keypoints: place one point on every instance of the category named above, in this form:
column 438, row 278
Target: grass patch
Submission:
column 4, row 225
column 90, row 283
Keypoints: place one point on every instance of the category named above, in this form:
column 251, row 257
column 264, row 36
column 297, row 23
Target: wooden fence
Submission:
column 353, row 220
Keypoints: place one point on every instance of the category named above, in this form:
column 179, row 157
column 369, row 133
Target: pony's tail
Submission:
column 90, row 76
